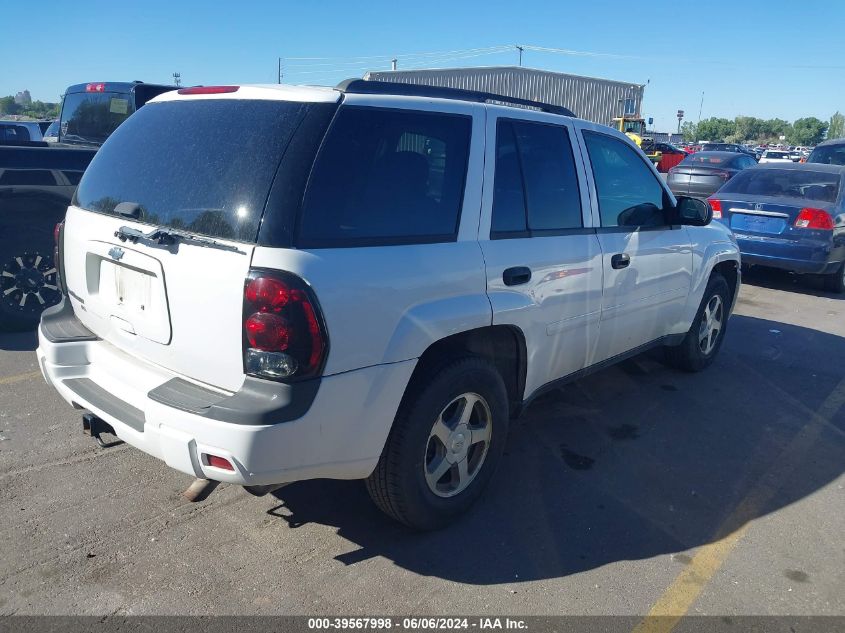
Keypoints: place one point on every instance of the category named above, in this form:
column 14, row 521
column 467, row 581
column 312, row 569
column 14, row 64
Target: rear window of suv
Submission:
column 204, row 166
column 386, row 176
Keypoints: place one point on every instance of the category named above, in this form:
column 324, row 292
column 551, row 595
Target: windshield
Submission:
column 783, row 183
column 90, row 117
column 776, row 155
column 828, row 155
column 204, row 166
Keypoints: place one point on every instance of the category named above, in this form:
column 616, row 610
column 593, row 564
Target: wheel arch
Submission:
column 502, row 345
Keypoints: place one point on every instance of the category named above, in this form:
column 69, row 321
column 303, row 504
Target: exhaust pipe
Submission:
column 200, row 489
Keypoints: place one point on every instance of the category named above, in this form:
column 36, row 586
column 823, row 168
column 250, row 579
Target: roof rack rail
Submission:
column 368, row 87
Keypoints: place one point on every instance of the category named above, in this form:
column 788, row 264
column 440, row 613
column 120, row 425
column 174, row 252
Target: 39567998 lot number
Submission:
column 381, row 624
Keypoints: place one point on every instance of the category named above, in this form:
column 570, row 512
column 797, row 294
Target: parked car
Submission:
column 776, row 156
column 51, row 135
column 789, row 216
column 702, row 174
column 36, row 185
column 386, row 278
column 19, row 131
column 726, row 147
column 670, row 156
column 829, row 153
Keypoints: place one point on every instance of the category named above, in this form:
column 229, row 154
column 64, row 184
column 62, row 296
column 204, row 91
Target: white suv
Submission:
column 265, row 284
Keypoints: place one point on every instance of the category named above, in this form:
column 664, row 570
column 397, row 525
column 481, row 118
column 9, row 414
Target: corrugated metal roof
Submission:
column 597, row 100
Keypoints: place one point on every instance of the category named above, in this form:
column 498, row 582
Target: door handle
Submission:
column 620, row 260
column 516, row 276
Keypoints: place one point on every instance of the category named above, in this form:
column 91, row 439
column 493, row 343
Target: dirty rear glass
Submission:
column 782, row 183
column 203, row 166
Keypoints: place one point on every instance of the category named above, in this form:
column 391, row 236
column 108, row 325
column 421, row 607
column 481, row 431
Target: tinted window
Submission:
column 200, row 165
column 704, row 158
column 508, row 192
column 91, row 116
column 37, row 177
column 14, row 133
column 387, row 176
column 535, row 170
column 785, row 183
column 629, row 193
column 776, row 155
column 828, row 155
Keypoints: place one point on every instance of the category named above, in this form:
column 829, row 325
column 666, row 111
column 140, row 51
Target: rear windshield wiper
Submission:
column 169, row 237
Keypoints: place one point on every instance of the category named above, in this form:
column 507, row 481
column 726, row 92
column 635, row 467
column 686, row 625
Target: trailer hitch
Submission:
column 94, row 426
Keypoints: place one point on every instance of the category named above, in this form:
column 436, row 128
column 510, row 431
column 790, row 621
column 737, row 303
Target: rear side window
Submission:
column 536, row 182
column 628, row 191
column 387, row 177
column 785, row 183
column 203, row 166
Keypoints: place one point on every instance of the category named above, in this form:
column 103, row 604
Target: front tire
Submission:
column 446, row 441
column 704, row 338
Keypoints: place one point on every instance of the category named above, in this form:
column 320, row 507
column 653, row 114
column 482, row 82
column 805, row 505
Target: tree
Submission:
column 715, row 129
column 8, row 105
column 836, row 127
column 688, row 129
column 748, row 128
column 807, row 131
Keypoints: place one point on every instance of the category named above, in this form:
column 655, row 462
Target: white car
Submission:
column 375, row 293
column 776, row 156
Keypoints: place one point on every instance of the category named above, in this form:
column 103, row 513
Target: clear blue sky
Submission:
column 767, row 59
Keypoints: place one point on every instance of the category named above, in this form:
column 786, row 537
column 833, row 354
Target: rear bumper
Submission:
column 798, row 256
column 340, row 435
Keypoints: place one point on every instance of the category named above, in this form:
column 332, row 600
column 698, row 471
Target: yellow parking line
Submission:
column 688, row 585
column 8, row 380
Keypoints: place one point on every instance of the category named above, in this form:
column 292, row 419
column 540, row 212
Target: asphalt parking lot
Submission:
column 636, row 490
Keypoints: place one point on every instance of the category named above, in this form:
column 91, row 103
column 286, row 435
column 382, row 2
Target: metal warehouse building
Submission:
column 597, row 100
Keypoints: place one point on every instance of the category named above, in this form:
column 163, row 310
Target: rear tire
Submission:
column 836, row 282
column 447, row 439
column 704, row 338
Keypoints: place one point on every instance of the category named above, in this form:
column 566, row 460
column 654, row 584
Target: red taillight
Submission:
column 101, row 87
column 269, row 294
column 208, row 90
column 219, row 462
column 716, row 205
column 284, row 338
column 267, row 331
column 810, row 218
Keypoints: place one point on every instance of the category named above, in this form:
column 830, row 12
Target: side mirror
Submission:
column 693, row 212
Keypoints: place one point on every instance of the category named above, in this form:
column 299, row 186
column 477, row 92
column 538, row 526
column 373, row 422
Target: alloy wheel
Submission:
column 457, row 445
column 711, row 325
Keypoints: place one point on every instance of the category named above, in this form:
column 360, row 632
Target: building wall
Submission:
column 597, row 100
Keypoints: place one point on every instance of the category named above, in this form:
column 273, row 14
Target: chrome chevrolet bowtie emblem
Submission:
column 116, row 252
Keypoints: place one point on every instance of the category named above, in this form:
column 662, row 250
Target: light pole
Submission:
column 680, row 118
column 177, row 79
column 520, row 49
column 280, row 70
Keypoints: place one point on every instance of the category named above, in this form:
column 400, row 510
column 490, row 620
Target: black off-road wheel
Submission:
column 28, row 286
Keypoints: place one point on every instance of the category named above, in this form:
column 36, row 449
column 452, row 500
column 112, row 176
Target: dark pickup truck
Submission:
column 37, row 182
